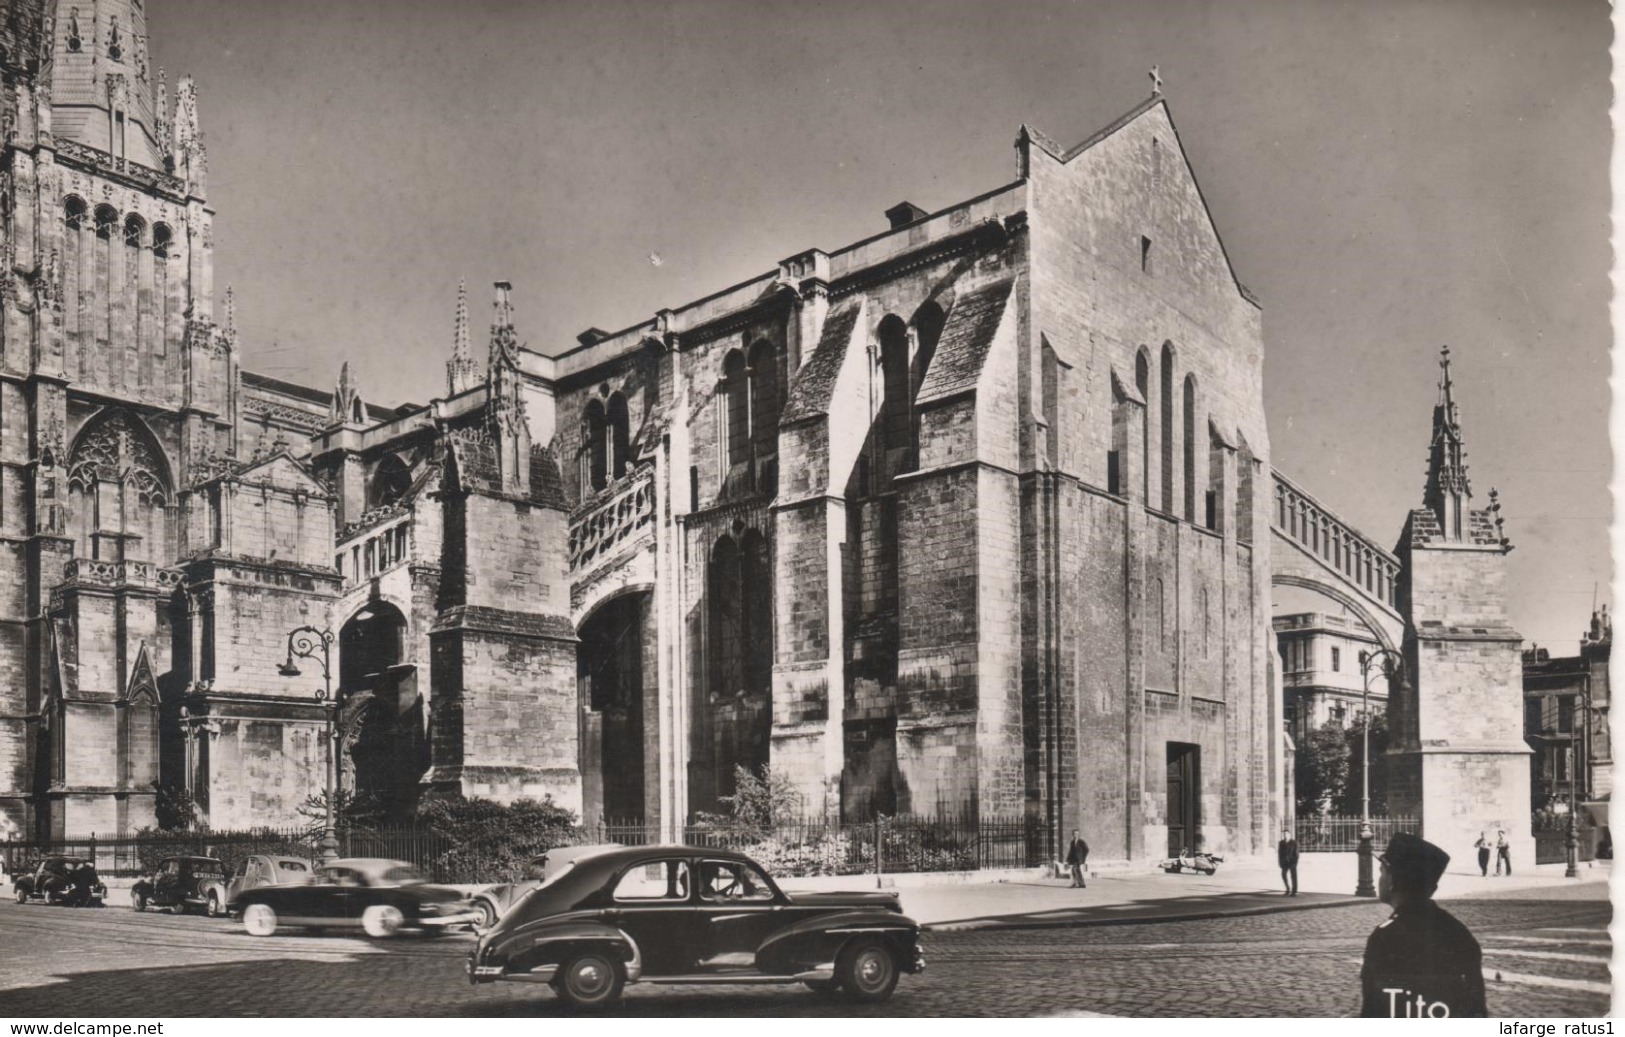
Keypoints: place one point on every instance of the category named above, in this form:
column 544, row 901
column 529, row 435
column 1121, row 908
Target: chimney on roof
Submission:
column 592, row 336
column 904, row 213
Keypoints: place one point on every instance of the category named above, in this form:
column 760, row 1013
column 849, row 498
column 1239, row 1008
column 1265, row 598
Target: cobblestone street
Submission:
column 1546, row 954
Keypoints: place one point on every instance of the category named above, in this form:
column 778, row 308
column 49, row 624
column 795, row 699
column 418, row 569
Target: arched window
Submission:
column 594, row 461
column 895, row 418
column 928, row 322
column 1142, row 382
column 119, row 491
column 162, row 243
column 106, row 222
column 1165, row 404
column 764, row 399
column 735, row 411
column 727, row 611
column 619, row 436
column 76, row 250
column 1189, row 443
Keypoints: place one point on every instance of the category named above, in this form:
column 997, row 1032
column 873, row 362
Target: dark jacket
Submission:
column 1422, row 951
column 1077, row 852
column 1286, row 851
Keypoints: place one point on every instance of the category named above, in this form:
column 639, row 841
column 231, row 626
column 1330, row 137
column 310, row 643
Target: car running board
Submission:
column 823, row 974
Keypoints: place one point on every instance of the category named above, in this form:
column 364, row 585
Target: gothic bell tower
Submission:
column 1458, row 759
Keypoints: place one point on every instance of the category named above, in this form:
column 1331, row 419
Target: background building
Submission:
column 1566, row 720
column 1320, row 670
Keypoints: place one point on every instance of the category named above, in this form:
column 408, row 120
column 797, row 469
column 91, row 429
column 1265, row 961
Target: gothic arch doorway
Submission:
column 614, row 675
column 381, row 729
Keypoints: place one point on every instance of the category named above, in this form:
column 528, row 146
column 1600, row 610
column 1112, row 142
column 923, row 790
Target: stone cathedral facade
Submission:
column 970, row 515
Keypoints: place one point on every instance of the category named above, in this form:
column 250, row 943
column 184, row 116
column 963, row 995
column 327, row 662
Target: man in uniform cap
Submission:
column 1421, row 963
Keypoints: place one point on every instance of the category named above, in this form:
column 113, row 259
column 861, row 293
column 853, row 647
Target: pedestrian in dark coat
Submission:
column 1503, row 851
column 1421, row 963
column 1483, row 846
column 1286, row 854
column 1077, row 858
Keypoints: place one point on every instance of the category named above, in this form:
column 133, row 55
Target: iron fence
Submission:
column 1337, row 833
column 790, row 849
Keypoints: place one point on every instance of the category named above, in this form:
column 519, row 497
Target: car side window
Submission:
column 732, row 880
column 656, row 880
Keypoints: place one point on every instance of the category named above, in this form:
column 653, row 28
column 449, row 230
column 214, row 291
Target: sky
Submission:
column 1389, row 176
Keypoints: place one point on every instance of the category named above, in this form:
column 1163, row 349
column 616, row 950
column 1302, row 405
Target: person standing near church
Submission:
column 1077, row 858
column 1483, row 846
column 1286, row 854
column 1421, row 963
column 1503, row 851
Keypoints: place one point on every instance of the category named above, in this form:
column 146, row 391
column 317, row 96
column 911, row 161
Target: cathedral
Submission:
column 969, row 516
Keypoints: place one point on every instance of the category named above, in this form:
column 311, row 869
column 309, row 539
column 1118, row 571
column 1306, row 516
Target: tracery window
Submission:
column 740, row 589
column 119, row 491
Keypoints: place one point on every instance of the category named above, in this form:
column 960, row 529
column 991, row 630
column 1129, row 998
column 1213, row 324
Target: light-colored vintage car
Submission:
column 262, row 869
column 491, row 902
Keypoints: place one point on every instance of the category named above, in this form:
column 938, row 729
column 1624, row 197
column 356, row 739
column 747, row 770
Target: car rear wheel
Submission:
column 866, row 971
column 22, row 895
column 485, row 916
column 138, row 900
column 382, row 920
column 213, row 908
column 259, row 919
column 590, row 980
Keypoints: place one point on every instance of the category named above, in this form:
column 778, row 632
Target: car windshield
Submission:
column 295, row 868
column 403, row 876
column 208, row 868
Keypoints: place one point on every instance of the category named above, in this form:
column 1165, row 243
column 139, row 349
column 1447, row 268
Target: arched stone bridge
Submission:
column 1315, row 550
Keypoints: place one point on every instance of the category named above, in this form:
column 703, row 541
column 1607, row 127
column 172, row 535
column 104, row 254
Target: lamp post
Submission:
column 1393, row 665
column 1573, row 869
column 305, row 642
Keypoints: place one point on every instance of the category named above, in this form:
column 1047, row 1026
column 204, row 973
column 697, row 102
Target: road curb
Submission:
column 977, row 925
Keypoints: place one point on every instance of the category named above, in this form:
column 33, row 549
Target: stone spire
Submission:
column 1448, row 494
column 189, row 162
column 347, row 408
column 461, row 372
column 505, row 406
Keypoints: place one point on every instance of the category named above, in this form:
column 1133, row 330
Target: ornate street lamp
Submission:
column 305, row 642
column 1393, row 666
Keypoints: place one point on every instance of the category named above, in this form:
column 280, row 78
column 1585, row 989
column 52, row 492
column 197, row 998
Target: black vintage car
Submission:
column 683, row 914
column 381, row 897
column 61, row 880
column 180, row 883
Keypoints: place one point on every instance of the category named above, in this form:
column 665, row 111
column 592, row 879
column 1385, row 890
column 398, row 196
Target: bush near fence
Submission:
column 789, row 849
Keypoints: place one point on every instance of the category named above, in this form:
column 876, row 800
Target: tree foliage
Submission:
column 760, row 801
column 1321, row 769
column 1349, row 802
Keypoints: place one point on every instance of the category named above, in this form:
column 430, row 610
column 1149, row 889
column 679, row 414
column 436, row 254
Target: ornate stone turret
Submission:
column 1458, row 759
column 187, row 157
column 505, row 413
column 462, row 374
column 347, row 408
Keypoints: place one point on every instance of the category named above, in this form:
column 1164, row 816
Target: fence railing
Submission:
column 790, row 849
column 1336, row 833
column 1552, row 846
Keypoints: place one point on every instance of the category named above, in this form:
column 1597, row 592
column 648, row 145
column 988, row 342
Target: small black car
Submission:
column 684, row 914
column 180, row 883
column 61, row 880
column 380, row 896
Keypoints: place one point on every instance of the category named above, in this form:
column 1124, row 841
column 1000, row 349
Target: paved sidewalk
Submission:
column 1118, row 895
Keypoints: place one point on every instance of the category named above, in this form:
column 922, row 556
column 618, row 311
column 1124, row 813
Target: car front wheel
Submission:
column 213, row 909
column 22, row 895
column 382, row 920
column 485, row 916
column 138, row 900
column 259, row 919
column 590, row 980
column 866, row 972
